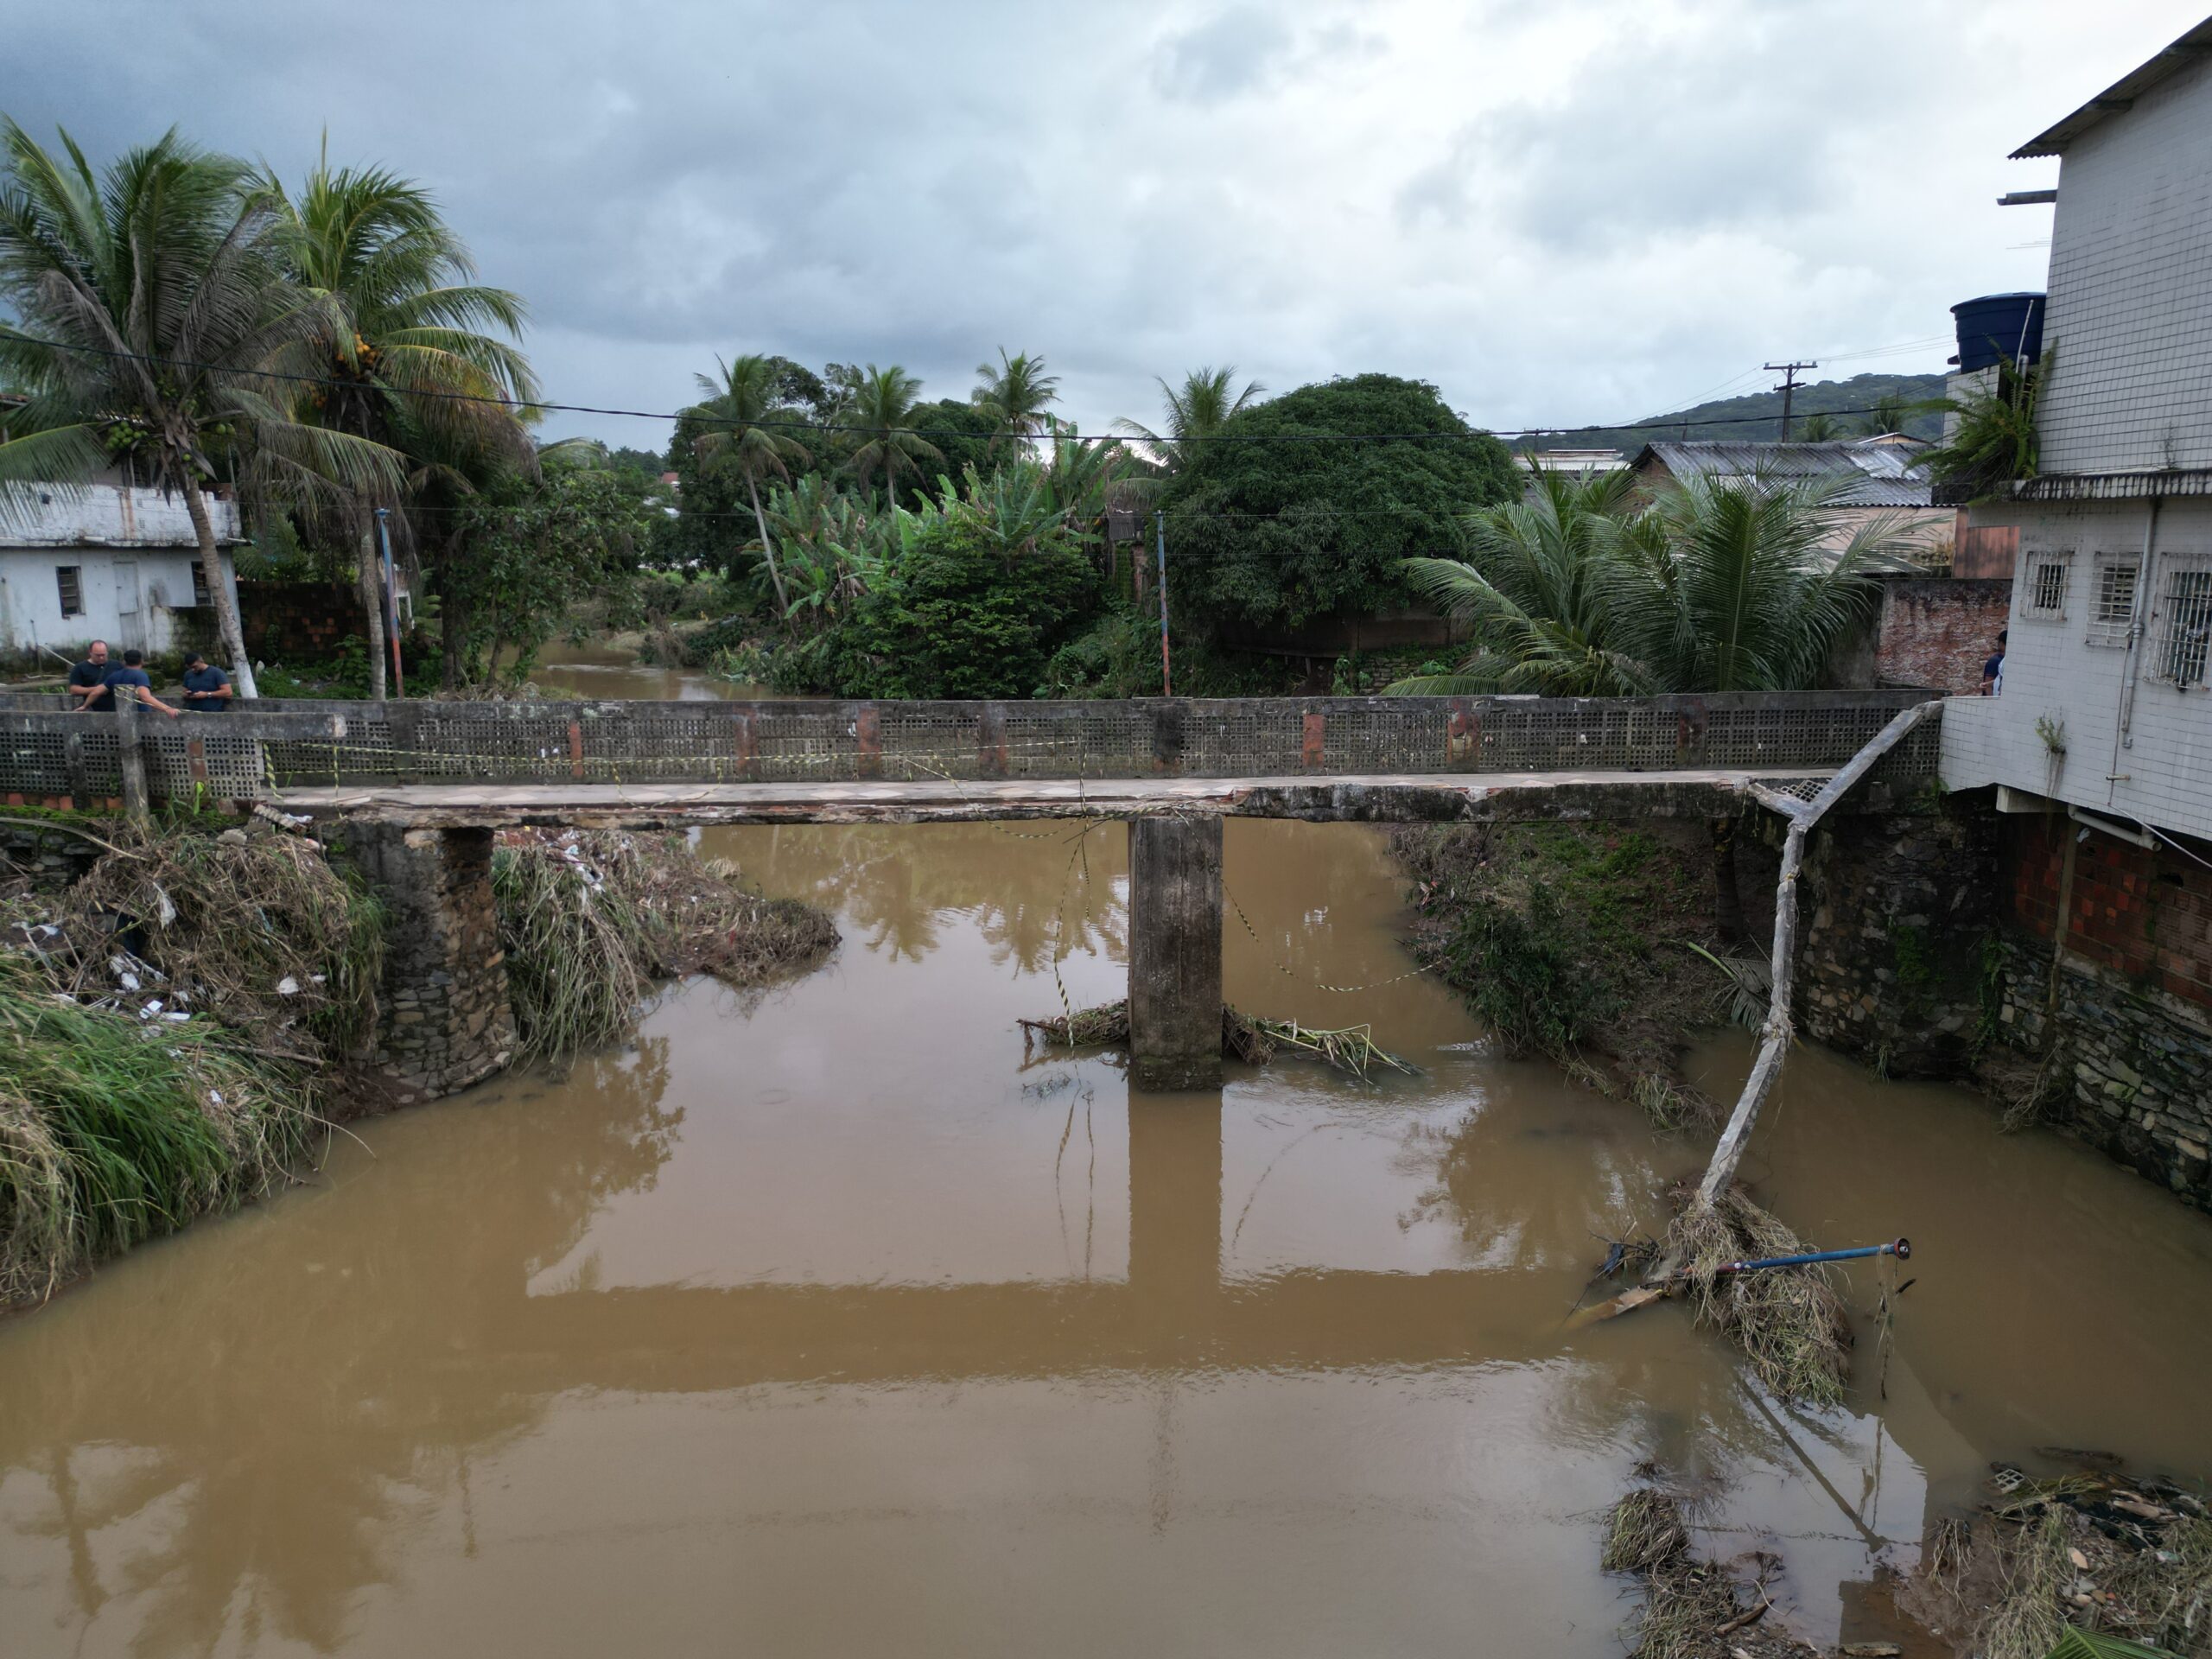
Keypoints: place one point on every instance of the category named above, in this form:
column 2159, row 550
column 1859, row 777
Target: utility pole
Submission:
column 1788, row 373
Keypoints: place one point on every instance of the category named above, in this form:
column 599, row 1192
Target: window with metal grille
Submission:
column 199, row 584
column 70, row 579
column 2045, row 598
column 2183, row 624
column 2112, row 610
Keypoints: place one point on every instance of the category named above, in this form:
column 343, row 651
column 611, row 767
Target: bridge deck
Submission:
column 1395, row 797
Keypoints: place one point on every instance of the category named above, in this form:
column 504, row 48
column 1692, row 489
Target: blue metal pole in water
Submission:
column 1901, row 1248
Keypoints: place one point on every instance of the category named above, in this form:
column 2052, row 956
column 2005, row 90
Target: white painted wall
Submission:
column 30, row 598
column 2137, row 745
column 2130, row 273
column 110, row 515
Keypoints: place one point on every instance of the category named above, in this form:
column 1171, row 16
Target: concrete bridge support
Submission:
column 446, row 1021
column 1175, row 952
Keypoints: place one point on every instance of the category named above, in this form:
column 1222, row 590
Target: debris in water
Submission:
column 1244, row 1037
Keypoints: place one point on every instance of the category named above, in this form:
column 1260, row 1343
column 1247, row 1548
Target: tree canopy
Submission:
column 1269, row 529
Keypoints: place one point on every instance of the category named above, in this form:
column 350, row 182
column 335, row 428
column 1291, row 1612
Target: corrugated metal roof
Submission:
column 2122, row 94
column 1882, row 475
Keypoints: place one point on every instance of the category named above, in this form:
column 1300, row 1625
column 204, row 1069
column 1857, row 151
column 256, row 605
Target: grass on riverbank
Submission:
column 590, row 919
column 1572, row 941
column 166, row 1023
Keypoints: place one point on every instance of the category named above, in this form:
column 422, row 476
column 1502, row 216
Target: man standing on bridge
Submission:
column 88, row 679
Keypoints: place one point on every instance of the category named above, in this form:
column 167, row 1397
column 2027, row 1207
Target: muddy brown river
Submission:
column 827, row 1322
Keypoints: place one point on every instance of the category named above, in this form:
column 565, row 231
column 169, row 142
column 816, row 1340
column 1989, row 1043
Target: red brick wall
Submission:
column 1938, row 632
column 299, row 619
column 2144, row 914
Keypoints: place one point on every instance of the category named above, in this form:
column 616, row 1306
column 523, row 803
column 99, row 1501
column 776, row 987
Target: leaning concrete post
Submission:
column 1175, row 952
column 131, row 757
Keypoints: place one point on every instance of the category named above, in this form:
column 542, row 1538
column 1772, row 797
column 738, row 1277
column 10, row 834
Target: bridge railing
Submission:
column 256, row 749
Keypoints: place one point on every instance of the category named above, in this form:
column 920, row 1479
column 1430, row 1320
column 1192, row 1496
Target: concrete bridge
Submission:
column 419, row 788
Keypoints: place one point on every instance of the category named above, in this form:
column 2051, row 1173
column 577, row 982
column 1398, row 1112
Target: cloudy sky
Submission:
column 1578, row 211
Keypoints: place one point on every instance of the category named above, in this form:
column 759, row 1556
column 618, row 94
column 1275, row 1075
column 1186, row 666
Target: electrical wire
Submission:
column 699, row 415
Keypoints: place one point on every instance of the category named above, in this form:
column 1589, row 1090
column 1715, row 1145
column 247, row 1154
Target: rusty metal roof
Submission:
column 2120, row 95
column 1882, row 473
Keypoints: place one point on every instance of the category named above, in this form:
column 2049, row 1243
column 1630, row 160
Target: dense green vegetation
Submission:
column 1271, row 530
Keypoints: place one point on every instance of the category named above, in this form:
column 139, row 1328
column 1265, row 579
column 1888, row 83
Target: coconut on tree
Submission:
column 150, row 305
column 411, row 352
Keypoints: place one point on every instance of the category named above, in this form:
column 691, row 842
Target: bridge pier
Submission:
column 1175, row 952
column 444, row 1020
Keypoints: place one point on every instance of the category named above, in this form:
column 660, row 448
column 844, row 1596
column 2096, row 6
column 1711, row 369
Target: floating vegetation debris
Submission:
column 1244, row 1037
column 1788, row 1321
column 589, row 919
column 1692, row 1609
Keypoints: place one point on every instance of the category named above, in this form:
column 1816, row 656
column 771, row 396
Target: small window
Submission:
column 70, row 578
column 2112, row 612
column 2046, row 595
column 2182, row 625
column 199, row 584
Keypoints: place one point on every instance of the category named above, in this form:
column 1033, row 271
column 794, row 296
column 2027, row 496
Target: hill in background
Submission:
column 1759, row 415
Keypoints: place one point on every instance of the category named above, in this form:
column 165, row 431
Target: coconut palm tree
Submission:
column 1194, row 412
column 882, row 412
column 414, row 353
column 1888, row 413
column 1820, row 427
column 1719, row 584
column 1543, row 593
column 740, row 397
column 1015, row 394
column 149, row 302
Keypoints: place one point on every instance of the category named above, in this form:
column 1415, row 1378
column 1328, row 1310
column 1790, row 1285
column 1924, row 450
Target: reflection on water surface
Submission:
column 826, row 1322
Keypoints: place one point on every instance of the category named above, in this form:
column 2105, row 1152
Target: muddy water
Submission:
column 826, row 1322
column 601, row 670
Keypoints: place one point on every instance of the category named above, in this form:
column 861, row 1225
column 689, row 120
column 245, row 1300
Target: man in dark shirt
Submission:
column 130, row 680
column 206, row 689
column 89, row 678
column 1993, row 671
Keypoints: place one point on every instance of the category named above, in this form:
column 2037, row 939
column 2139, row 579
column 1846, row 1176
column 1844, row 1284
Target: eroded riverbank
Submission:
column 826, row 1323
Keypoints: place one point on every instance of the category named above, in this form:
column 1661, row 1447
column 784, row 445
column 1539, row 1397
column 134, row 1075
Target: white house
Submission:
column 107, row 561
column 2105, row 708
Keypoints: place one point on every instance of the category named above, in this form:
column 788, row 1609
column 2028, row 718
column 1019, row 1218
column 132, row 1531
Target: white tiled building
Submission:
column 109, row 561
column 2106, row 705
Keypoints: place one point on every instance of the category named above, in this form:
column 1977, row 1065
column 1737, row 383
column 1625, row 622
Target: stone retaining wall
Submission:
column 1928, row 947
column 446, row 1021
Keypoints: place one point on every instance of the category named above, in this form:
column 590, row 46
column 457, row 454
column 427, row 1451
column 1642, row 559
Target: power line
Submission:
column 702, row 416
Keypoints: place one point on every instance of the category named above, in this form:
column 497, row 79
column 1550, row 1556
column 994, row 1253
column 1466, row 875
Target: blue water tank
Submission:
column 1997, row 327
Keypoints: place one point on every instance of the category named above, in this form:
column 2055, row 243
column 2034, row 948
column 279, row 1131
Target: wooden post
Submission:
column 576, row 750
column 132, row 757
column 1774, row 1034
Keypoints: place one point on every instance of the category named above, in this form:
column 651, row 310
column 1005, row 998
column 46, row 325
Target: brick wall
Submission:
column 299, row 619
column 2142, row 915
column 1938, row 632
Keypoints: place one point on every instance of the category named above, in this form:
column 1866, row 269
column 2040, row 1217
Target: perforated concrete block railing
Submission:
column 47, row 752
